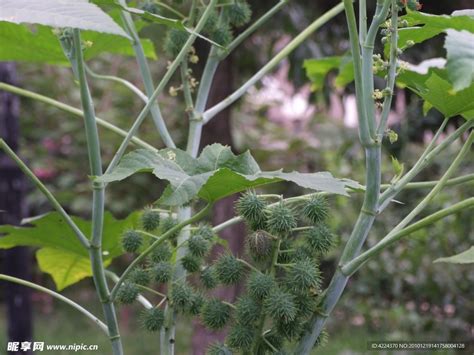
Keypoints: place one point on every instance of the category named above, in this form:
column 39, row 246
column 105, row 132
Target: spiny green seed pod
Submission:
column 316, row 209
column 211, row 22
column 150, row 219
column 215, row 314
column 221, row 35
column 139, row 276
column 191, row 263
column 151, row 8
column 281, row 220
column 161, row 253
column 162, row 271
column 319, row 239
column 260, row 285
column 285, row 254
column 290, row 330
column 247, row 310
column 275, row 339
column 239, row 13
column 302, row 252
column 198, row 246
column 175, row 41
column 306, row 304
column 280, row 305
column 180, row 296
column 168, row 223
column 218, row 349
column 152, row 319
column 209, row 278
column 195, row 303
column 322, row 340
column 251, row 208
column 127, row 293
column 241, row 336
column 205, row 231
column 131, row 241
column 228, row 269
column 303, row 275
column 260, row 245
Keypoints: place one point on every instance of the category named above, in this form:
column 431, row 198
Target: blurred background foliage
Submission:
column 399, row 295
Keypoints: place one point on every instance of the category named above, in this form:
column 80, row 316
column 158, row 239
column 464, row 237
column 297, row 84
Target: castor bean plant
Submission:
column 285, row 305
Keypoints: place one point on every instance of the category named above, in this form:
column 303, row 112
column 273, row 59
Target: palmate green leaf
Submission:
column 318, row 69
column 20, row 43
column 431, row 84
column 466, row 257
column 460, row 48
column 424, row 26
column 215, row 174
column 60, row 13
column 60, row 253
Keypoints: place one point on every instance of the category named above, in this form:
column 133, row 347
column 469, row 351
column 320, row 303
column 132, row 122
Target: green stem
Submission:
column 424, row 160
column 362, row 21
column 58, row 296
column 381, row 13
column 141, row 299
column 93, row 148
column 195, row 125
column 56, row 205
column 392, row 72
column 364, row 131
column 164, row 81
column 146, row 76
column 438, row 187
column 121, row 81
column 72, row 110
column 156, row 243
column 213, row 111
column 252, row 28
column 354, row 265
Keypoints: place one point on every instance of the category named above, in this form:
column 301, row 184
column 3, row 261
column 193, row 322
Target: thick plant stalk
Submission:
column 95, row 162
column 58, row 296
column 146, row 77
column 373, row 179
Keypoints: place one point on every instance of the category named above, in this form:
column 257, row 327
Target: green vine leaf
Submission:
column 215, row 174
column 60, row 253
column 59, row 13
column 460, row 48
column 466, row 257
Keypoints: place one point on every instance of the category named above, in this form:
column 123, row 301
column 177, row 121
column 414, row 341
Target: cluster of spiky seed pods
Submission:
column 218, row 28
column 280, row 272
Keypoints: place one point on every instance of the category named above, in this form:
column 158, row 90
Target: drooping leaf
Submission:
column 64, row 274
column 318, row 69
column 466, row 257
column 60, row 254
column 460, row 48
column 60, row 13
column 215, row 174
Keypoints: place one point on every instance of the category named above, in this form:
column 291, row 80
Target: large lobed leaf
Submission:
column 60, row 254
column 215, row 174
column 460, row 48
column 60, row 13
